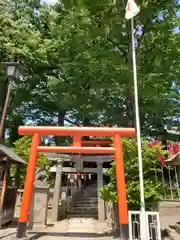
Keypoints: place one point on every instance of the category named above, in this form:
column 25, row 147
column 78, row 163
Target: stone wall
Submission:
column 112, row 216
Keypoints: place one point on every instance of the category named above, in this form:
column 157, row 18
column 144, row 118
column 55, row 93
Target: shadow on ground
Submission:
column 7, row 235
column 33, row 234
column 69, row 234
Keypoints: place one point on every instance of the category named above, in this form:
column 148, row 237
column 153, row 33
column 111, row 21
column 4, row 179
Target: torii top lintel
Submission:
column 73, row 131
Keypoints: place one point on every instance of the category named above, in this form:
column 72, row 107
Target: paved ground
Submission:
column 75, row 229
column 75, row 238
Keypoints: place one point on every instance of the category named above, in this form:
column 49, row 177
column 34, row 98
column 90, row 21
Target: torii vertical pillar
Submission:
column 121, row 186
column 28, row 188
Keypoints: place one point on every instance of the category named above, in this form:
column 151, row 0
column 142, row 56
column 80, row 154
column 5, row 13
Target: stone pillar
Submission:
column 63, row 200
column 79, row 182
column 101, row 207
column 57, row 190
column 39, row 206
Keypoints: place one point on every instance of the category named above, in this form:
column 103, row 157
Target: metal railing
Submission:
column 153, row 229
column 169, row 176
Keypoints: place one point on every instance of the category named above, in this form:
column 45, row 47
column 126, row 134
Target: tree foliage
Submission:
column 22, row 148
column 153, row 189
column 77, row 60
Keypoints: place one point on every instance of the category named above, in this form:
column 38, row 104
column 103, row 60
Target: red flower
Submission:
column 161, row 158
column 150, row 145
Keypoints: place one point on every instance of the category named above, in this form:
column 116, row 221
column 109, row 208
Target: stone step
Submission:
column 89, row 193
column 84, row 208
column 81, row 208
column 87, row 206
column 84, row 204
column 80, row 205
column 88, row 197
column 83, row 212
column 94, row 216
column 171, row 235
column 177, row 228
column 81, row 220
column 84, row 215
column 87, row 200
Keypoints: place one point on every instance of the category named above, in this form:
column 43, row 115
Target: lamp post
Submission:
column 12, row 73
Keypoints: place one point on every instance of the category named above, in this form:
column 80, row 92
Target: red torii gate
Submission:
column 76, row 133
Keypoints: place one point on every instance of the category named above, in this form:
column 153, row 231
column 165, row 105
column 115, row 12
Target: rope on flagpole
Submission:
column 139, row 145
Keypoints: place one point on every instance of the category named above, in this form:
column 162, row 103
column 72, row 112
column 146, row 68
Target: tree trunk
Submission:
column 16, row 121
column 60, row 139
column 86, row 123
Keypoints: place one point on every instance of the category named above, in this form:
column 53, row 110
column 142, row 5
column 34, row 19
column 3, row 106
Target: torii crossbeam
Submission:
column 76, row 133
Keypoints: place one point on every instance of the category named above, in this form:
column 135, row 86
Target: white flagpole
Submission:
column 139, row 145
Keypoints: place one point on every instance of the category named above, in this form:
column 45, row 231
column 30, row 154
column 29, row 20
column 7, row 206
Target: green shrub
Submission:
column 22, row 148
column 153, row 190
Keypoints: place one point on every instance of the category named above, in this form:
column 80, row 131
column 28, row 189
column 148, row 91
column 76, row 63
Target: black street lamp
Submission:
column 12, row 73
column 12, row 70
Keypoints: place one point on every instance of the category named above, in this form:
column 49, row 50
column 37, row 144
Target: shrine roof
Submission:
column 174, row 160
column 11, row 155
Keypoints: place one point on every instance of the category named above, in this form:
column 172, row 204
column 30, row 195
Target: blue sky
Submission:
column 49, row 1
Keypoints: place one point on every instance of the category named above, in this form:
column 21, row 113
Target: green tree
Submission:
column 19, row 41
column 153, row 189
column 95, row 71
column 22, row 148
column 77, row 57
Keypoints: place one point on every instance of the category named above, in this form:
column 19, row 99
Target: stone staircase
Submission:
column 169, row 212
column 171, row 232
column 86, row 206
